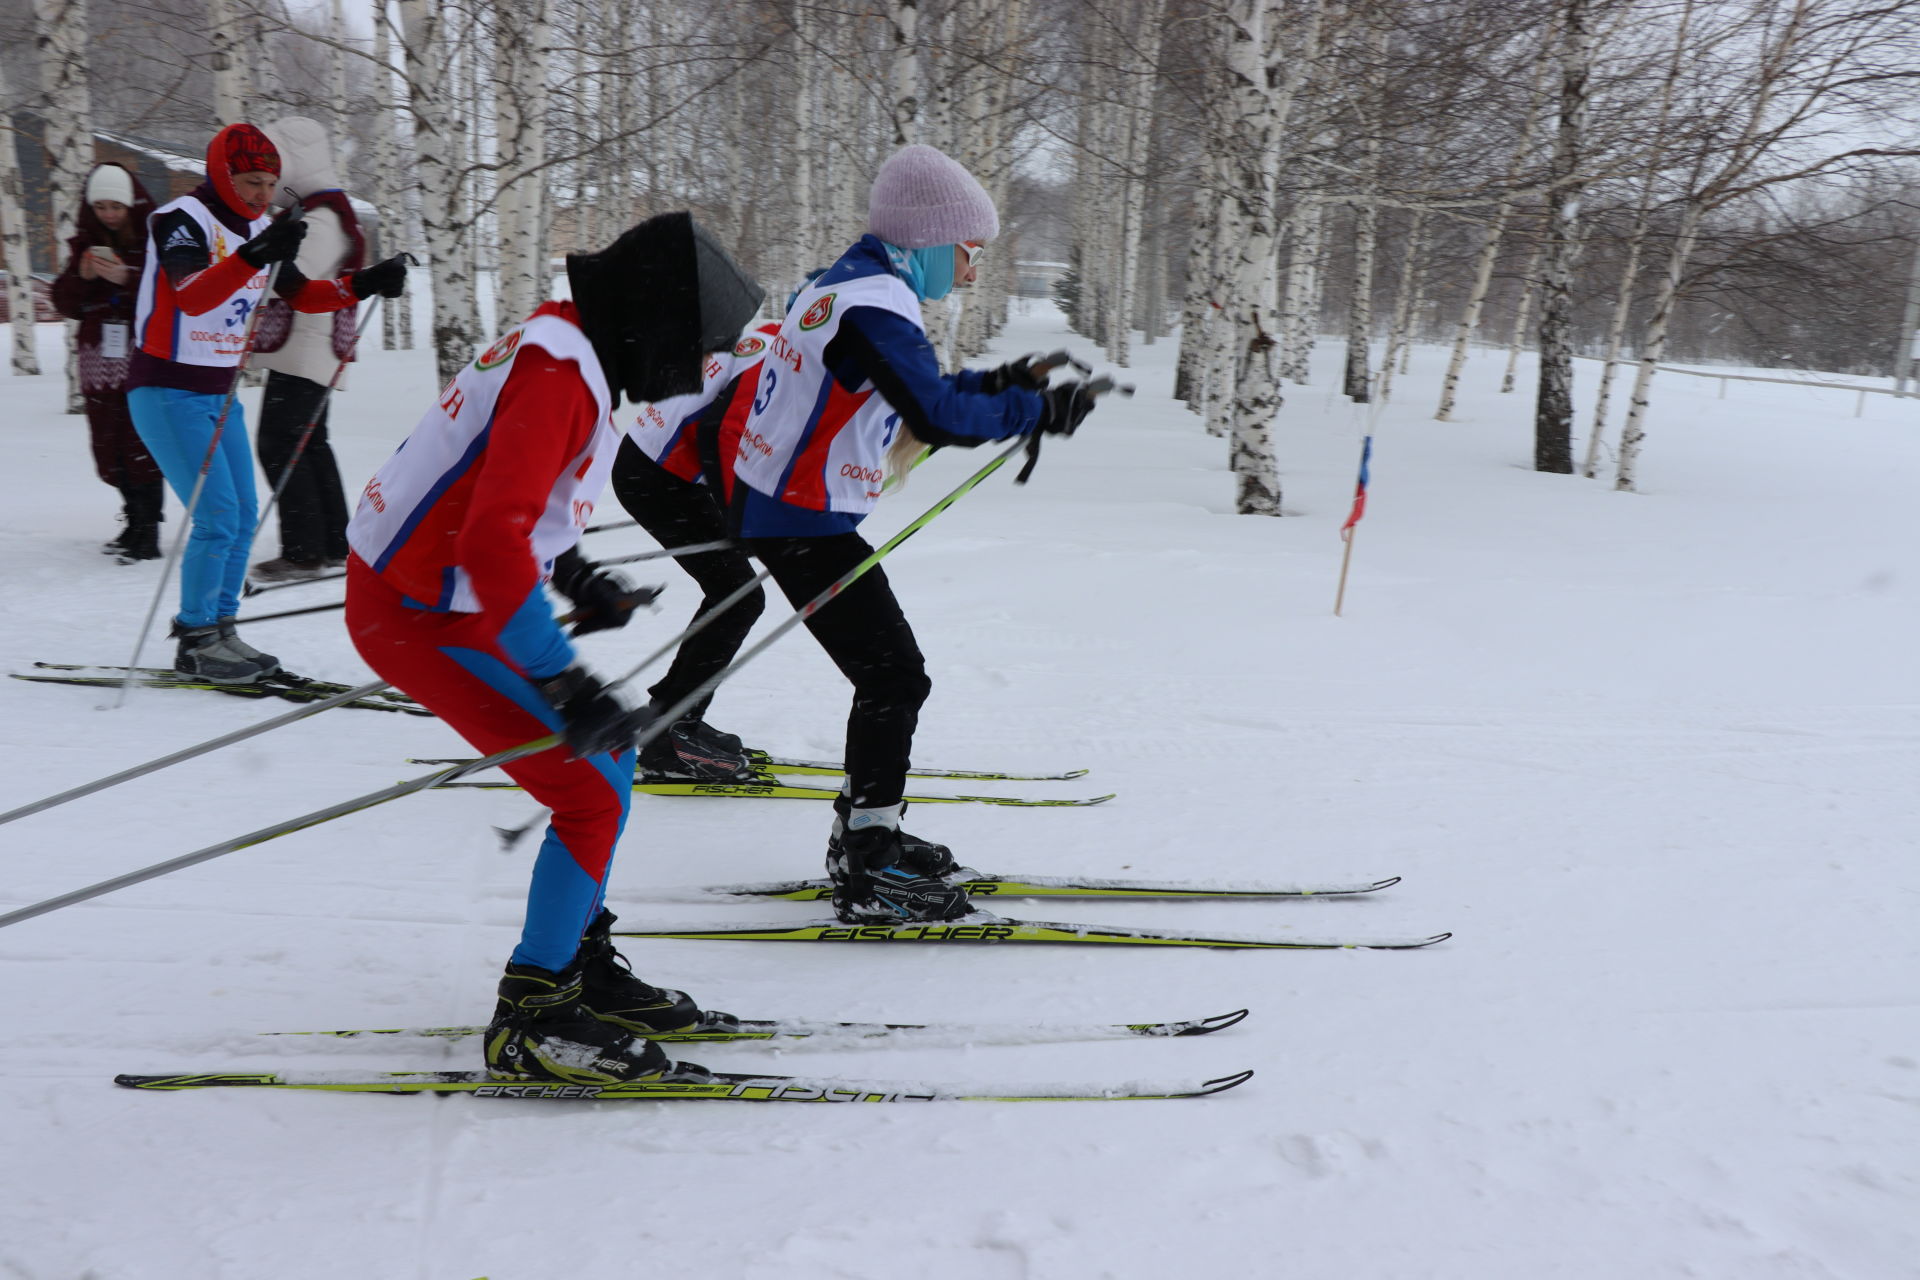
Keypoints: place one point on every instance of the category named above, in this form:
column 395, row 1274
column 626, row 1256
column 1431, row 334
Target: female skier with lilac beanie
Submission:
column 851, row 391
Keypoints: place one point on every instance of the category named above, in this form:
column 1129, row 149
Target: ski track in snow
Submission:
column 1651, row 757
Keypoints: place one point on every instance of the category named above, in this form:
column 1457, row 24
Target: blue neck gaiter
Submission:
column 921, row 267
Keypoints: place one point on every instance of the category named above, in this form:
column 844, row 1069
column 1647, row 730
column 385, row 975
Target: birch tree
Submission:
column 1366, row 220
column 520, row 63
column 13, row 239
column 903, row 75
column 61, row 38
column 1522, row 314
column 1553, row 408
column 1636, row 245
column 1490, row 245
column 229, row 54
column 396, row 315
column 439, row 151
column 1263, row 100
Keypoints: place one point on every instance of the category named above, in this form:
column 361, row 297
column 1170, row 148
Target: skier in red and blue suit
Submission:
column 453, row 539
column 850, row 393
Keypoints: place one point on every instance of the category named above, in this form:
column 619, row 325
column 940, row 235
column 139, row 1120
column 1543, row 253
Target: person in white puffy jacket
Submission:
column 301, row 354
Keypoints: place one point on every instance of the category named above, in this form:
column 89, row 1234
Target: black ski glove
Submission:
column 1019, row 373
column 601, row 601
column 278, row 243
column 594, row 719
column 388, row 279
column 1067, row 405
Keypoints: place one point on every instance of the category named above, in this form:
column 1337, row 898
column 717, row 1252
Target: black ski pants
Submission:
column 313, row 507
column 867, row 636
column 679, row 513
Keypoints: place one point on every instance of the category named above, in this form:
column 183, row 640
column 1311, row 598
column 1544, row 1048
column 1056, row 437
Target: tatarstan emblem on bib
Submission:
column 817, row 314
column 499, row 353
column 749, row 347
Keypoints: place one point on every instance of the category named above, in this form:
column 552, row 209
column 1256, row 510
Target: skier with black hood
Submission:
column 453, row 538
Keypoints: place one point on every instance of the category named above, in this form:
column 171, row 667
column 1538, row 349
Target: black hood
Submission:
column 656, row 301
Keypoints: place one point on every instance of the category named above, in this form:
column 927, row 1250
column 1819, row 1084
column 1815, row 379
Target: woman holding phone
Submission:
column 98, row 288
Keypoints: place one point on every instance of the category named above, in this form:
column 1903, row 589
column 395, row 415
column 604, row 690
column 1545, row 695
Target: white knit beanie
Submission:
column 922, row 198
column 110, row 182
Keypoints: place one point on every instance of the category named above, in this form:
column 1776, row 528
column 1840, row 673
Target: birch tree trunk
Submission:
column 1223, row 359
column 586, row 221
column 337, row 68
column 1553, row 405
column 903, row 73
column 1405, row 299
column 1636, row 247
column 13, row 239
column 520, row 62
column 807, row 136
column 439, row 150
column 1136, row 135
column 1303, row 287
column 1490, row 249
column 848, row 171
column 1197, row 307
column 1366, row 226
column 1151, row 312
column 396, row 314
column 1653, row 347
column 1366, row 236
column 64, row 75
column 1529, row 278
column 1263, row 106
column 229, row 56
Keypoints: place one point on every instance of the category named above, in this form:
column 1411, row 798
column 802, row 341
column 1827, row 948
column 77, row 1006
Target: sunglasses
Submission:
column 974, row 253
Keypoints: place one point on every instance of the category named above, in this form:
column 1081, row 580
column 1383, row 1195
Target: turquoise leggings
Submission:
column 176, row 426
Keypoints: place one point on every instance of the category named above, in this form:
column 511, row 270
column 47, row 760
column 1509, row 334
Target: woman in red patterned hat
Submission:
column 208, row 259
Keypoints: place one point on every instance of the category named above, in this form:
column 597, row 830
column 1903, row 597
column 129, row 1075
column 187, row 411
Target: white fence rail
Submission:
column 1860, row 393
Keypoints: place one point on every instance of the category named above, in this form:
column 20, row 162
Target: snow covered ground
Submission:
column 1651, row 757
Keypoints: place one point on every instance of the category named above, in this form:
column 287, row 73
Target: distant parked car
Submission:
column 42, row 299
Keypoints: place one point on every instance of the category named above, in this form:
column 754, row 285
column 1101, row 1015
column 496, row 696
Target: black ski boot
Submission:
column 229, row 631
column 541, row 1031
column 612, row 994
column 694, row 751
column 204, row 654
column 883, row 875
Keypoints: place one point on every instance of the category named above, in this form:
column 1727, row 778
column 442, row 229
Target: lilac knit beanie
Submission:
column 922, row 198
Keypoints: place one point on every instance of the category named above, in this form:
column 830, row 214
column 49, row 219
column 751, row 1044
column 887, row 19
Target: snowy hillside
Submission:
column 1651, row 757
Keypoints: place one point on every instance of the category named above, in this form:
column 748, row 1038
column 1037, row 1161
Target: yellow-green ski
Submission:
column 982, row 886
column 700, row 1086
column 782, row 791
column 984, row 927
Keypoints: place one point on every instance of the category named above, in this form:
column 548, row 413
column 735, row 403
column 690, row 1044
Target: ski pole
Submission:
column 265, row 834
column 674, row 552
column 291, row 613
column 188, row 753
column 200, row 481
column 250, row 590
column 698, row 547
column 532, row 747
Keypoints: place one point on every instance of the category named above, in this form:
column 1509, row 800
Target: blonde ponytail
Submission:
column 901, row 455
